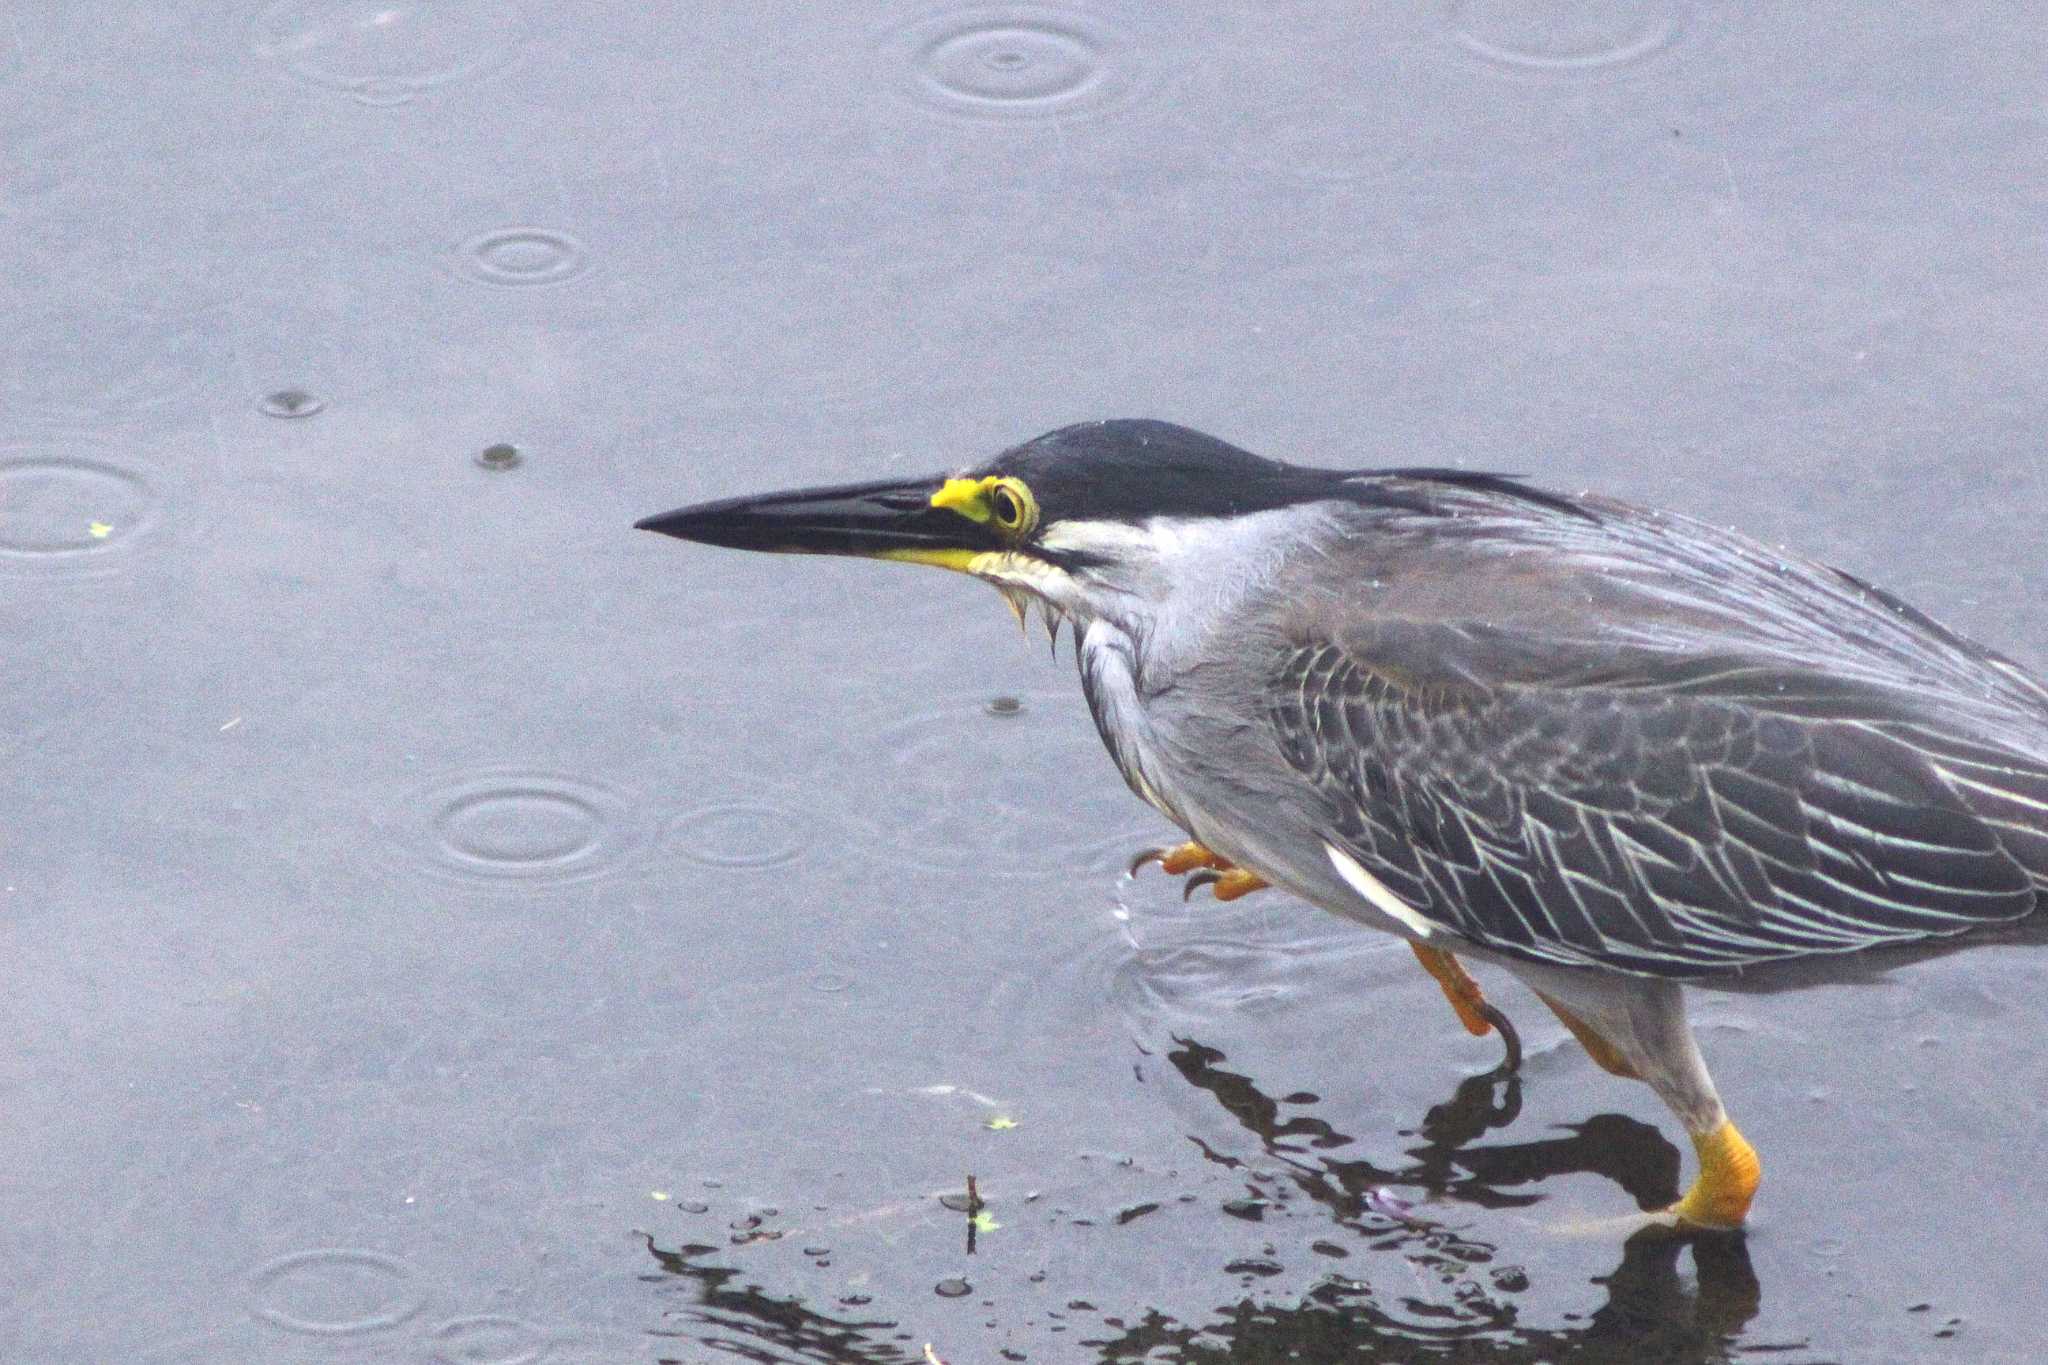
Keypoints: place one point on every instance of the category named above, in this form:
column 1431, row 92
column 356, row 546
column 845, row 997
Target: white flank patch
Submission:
column 1373, row 889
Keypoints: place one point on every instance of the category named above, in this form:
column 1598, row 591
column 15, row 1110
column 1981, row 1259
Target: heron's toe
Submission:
column 1176, row 859
column 1237, row 881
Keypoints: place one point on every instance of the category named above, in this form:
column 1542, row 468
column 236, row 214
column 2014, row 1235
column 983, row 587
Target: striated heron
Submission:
column 1611, row 749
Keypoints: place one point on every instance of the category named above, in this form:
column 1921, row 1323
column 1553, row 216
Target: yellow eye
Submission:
column 1004, row 501
column 1012, row 507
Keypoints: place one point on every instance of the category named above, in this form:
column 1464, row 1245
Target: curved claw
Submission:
column 1513, row 1061
column 1150, row 855
column 1205, row 876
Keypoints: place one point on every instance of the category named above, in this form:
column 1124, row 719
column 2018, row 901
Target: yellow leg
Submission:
column 1459, row 988
column 1604, row 1053
column 1477, row 1015
column 1729, row 1175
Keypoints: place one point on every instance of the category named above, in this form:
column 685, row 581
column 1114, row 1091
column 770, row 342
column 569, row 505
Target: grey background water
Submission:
column 441, row 924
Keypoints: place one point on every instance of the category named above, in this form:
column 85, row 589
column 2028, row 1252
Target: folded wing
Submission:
column 1668, row 818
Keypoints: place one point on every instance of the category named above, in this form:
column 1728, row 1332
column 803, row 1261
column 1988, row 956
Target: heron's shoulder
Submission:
column 1500, row 590
column 1601, row 569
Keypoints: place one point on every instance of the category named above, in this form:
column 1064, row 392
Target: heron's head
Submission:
column 1097, row 519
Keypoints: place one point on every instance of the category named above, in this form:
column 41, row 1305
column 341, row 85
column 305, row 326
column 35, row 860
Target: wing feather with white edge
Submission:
column 1668, row 821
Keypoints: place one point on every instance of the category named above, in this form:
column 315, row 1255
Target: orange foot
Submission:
column 1475, row 1012
column 1203, row 868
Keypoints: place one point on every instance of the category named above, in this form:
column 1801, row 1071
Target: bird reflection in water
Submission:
column 1652, row 1310
column 1650, row 1307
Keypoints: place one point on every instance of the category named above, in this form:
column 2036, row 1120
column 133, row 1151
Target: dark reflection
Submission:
column 746, row 1322
column 1633, row 1155
column 1653, row 1310
column 1650, row 1315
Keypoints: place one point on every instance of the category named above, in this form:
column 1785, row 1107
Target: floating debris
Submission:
column 1387, row 1204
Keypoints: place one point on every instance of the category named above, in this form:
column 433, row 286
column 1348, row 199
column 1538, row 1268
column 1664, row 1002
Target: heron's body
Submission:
column 1599, row 764
column 1609, row 748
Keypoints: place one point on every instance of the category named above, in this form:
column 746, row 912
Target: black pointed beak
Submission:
column 892, row 519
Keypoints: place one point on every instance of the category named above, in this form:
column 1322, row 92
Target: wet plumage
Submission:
column 1630, row 740
column 1607, row 748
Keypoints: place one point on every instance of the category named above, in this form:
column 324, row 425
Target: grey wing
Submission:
column 1673, row 824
